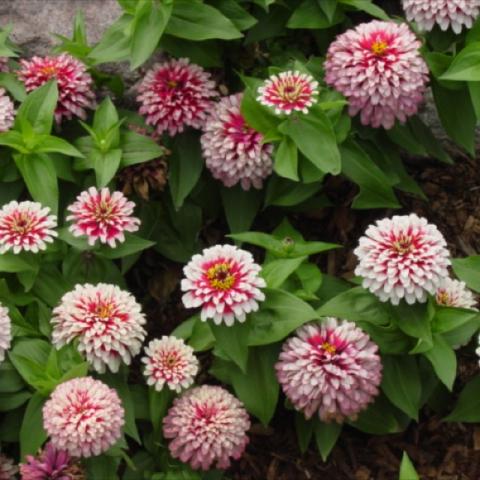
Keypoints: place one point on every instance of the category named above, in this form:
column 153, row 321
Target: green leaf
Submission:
column 277, row 271
column 105, row 165
column 366, row 6
column 13, row 263
column 102, row 466
column 285, row 193
column 378, row 419
column 407, row 470
column 49, row 143
column 236, row 13
column 241, row 206
column 309, row 14
column 467, row 408
column 15, row 87
column 401, row 383
column 256, row 115
column 132, row 244
column 286, row 159
column 304, row 430
column 232, row 342
column 326, row 436
column 158, row 404
column 138, row 148
column 443, row 359
column 415, row 320
column 194, row 20
column 465, row 65
column 32, row 434
column 468, row 270
column 450, row 318
column 11, row 401
column 10, row 380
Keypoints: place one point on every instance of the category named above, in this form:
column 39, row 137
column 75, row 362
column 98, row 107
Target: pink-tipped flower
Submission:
column 8, row 469
column 169, row 361
column 7, row 111
column 176, row 94
column 224, row 280
column 289, row 91
column 83, row 416
column 402, row 257
column 103, row 216
column 445, row 13
column 233, row 150
column 378, row 67
column 5, row 332
column 26, row 226
column 332, row 368
column 75, row 92
column 106, row 322
column 453, row 293
column 51, row 464
column 207, row 426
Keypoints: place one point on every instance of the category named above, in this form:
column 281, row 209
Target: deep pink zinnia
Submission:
column 176, row 94
column 75, row 92
column 83, row 416
column 331, row 368
column 233, row 150
column 103, row 216
column 378, row 67
column 207, row 426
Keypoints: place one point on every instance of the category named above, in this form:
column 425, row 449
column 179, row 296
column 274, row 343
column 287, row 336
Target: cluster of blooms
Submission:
column 83, row 417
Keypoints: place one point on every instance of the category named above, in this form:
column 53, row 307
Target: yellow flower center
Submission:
column 443, row 298
column 403, row 245
column 103, row 211
column 22, row 224
column 49, row 70
column 379, row 47
column 220, row 276
column 290, row 91
column 172, row 84
column 104, row 311
column 329, row 348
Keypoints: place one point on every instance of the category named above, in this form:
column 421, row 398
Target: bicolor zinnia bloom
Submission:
column 169, row 361
column 378, row 68
column 102, row 216
column 403, row 257
column 454, row 293
column 454, row 14
column 234, row 152
column 8, row 469
column 288, row 92
column 7, row 111
column 74, row 83
column 176, row 94
column 51, row 464
column 106, row 322
column 207, row 426
column 26, row 226
column 224, row 281
column 83, row 416
column 331, row 368
column 5, row 332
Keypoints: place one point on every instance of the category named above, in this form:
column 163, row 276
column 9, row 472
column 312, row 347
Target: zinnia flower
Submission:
column 101, row 215
column 207, row 426
column 378, row 68
column 176, row 94
column 26, row 226
column 5, row 332
column 106, row 322
column 7, row 111
column 75, row 92
column 51, row 464
column 8, row 469
column 83, row 416
column 170, row 361
column 445, row 13
column 453, row 293
column 402, row 257
column 224, row 280
column 331, row 368
column 233, row 150
column 288, row 92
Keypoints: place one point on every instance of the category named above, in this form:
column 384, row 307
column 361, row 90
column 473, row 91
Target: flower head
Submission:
column 170, row 361
column 176, row 94
column 74, row 84
column 445, row 13
column 289, row 91
column 106, row 321
column 5, row 332
column 51, row 464
column 332, row 368
column 83, row 416
column 8, row 469
column 233, row 150
column 207, row 426
column 453, row 293
column 26, row 226
column 378, row 68
column 7, row 111
column 103, row 216
column 402, row 257
column 224, row 280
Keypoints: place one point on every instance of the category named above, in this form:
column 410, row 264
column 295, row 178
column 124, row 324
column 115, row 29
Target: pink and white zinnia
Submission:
column 106, row 321
column 207, row 426
column 5, row 331
column 233, row 150
column 26, row 226
column 103, row 216
column 289, row 91
column 169, row 361
column 444, row 13
column 83, row 417
column 403, row 257
column 454, row 293
column 7, row 111
column 224, row 281
column 378, row 68
column 331, row 368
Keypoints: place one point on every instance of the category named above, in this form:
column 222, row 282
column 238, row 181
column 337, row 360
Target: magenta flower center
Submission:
column 206, row 412
column 379, row 47
column 403, row 245
column 104, row 212
column 326, row 347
